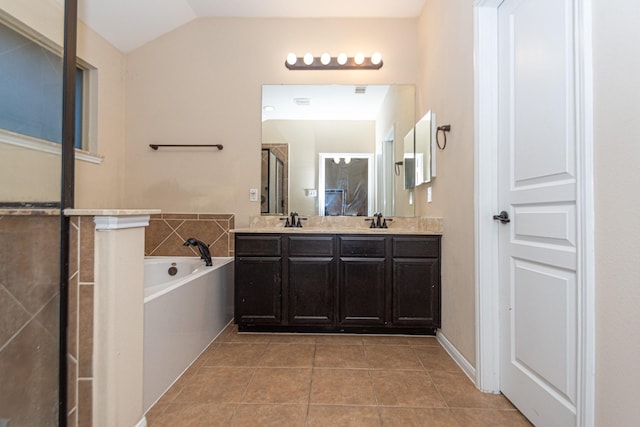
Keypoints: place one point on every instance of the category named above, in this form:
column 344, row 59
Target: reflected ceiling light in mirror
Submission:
column 337, row 160
column 340, row 62
column 269, row 108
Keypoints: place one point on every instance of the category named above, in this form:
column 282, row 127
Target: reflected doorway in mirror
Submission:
column 346, row 184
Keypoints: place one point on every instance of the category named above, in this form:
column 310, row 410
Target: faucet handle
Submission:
column 286, row 224
column 299, row 224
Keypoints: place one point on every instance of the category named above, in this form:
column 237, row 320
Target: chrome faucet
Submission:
column 202, row 248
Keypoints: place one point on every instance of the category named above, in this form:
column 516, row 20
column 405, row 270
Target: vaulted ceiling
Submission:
column 128, row 24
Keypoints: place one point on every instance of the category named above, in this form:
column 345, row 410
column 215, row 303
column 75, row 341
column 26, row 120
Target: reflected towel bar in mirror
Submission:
column 156, row 146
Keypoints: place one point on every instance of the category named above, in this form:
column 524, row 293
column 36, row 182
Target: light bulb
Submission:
column 376, row 58
column 347, row 160
column 342, row 58
column 359, row 58
column 292, row 58
column 325, row 58
column 336, row 160
column 308, row 58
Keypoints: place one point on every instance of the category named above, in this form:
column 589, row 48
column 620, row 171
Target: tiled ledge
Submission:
column 345, row 224
column 29, row 212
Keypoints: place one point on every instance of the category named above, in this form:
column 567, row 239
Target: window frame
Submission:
column 89, row 150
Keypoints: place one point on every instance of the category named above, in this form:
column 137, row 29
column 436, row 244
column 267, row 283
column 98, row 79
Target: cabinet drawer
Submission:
column 362, row 246
column 416, row 247
column 311, row 246
column 258, row 245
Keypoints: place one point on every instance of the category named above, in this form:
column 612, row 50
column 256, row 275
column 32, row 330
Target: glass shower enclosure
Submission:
column 36, row 184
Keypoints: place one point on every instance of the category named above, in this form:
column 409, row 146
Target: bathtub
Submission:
column 186, row 305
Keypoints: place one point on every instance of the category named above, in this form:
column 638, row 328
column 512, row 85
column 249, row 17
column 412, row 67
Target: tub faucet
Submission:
column 202, row 247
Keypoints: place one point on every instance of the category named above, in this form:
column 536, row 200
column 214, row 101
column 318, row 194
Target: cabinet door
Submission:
column 416, row 292
column 258, row 290
column 362, row 291
column 311, row 290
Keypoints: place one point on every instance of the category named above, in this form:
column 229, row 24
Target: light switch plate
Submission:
column 253, row 194
column 429, row 195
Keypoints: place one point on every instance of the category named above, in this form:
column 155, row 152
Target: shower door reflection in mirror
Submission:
column 273, row 197
column 346, row 184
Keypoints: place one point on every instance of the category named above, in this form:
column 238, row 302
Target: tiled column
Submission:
column 106, row 316
column 80, row 329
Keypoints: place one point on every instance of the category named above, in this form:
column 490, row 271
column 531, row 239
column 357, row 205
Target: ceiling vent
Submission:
column 361, row 90
column 302, row 101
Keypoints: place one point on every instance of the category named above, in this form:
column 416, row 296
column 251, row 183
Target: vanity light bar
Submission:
column 328, row 62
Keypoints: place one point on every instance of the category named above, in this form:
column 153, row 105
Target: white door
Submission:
column 537, row 188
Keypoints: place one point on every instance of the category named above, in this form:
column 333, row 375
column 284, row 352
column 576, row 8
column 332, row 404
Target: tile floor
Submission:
column 328, row 380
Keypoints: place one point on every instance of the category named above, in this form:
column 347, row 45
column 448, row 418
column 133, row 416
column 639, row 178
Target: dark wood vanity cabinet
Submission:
column 311, row 270
column 362, row 281
column 416, row 281
column 335, row 282
column 258, row 279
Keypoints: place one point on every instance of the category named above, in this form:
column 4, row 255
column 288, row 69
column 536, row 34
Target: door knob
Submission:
column 503, row 217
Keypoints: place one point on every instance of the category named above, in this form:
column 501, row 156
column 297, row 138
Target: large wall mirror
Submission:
column 361, row 126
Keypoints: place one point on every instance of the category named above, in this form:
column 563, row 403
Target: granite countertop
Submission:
column 344, row 225
column 314, row 230
column 110, row 212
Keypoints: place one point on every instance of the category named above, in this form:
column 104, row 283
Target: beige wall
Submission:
column 96, row 185
column 617, row 175
column 446, row 88
column 100, row 186
column 202, row 84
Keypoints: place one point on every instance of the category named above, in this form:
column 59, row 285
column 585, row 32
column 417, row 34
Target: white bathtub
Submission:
column 183, row 313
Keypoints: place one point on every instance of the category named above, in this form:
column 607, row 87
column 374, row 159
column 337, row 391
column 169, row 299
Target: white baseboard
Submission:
column 464, row 364
column 142, row 422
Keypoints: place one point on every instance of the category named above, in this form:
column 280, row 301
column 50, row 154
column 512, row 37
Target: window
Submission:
column 31, row 91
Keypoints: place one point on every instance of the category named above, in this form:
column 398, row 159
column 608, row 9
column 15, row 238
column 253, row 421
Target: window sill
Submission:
column 30, row 143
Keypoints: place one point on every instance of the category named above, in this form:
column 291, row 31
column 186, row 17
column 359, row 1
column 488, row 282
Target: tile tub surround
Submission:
column 346, row 224
column 167, row 232
column 29, row 300
column 328, row 380
column 80, row 329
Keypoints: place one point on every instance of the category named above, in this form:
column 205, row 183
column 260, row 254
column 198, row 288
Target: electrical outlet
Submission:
column 429, row 195
column 253, row 194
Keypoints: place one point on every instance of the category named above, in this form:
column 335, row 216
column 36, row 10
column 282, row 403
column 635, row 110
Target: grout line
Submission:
column 163, row 240
column 314, row 369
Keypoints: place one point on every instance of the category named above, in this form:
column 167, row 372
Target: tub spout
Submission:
column 202, row 248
